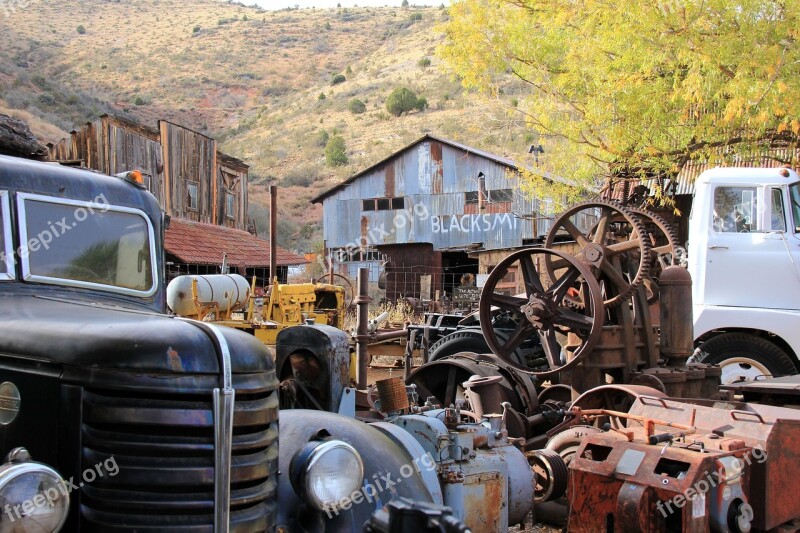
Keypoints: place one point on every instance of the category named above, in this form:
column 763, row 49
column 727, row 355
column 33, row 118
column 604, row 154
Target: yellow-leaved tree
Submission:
column 637, row 88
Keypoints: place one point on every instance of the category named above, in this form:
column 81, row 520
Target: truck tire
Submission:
column 745, row 356
column 465, row 340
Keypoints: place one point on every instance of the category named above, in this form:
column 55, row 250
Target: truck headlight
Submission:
column 326, row 473
column 32, row 496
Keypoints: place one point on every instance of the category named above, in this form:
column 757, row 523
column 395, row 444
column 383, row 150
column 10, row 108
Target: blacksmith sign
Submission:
column 466, row 294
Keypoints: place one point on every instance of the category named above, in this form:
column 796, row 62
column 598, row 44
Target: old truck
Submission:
column 744, row 258
column 117, row 417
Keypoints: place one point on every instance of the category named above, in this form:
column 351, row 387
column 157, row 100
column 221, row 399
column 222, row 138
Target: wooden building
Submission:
column 184, row 169
column 431, row 216
column 194, row 183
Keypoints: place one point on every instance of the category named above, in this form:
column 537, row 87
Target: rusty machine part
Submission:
column 688, row 466
column 551, row 475
column 545, row 310
column 470, row 380
column 392, row 394
column 617, row 245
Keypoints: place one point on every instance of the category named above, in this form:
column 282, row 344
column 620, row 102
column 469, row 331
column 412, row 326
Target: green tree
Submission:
column 402, row 100
column 404, row 4
column 356, row 106
column 636, row 87
column 335, row 151
column 81, row 29
column 337, row 79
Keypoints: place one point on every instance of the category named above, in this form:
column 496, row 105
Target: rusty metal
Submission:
column 675, row 308
column 273, row 233
column 392, row 394
column 362, row 329
column 544, row 310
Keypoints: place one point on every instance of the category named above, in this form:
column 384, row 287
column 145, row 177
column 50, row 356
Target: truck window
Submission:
column 777, row 215
column 7, row 248
column 794, row 196
column 83, row 244
column 735, row 210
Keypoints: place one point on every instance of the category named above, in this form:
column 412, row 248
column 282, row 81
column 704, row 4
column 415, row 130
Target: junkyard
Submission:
column 600, row 334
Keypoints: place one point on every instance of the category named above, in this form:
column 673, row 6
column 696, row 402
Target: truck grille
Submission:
column 163, row 448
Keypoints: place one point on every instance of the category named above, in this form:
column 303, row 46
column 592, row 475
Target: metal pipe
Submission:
column 362, row 328
column 388, row 336
column 273, row 232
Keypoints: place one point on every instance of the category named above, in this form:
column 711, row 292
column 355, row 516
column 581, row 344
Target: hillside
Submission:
column 259, row 81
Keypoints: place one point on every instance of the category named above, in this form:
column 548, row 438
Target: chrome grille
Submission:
column 163, row 446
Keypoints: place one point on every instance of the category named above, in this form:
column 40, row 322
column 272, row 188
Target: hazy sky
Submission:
column 281, row 4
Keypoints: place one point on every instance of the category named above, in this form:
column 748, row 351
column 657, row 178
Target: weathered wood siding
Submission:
column 190, row 157
column 171, row 156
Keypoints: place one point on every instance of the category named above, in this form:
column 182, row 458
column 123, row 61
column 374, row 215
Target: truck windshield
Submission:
column 794, row 196
column 85, row 244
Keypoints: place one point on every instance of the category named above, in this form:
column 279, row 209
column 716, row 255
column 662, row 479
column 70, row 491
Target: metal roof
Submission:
column 502, row 160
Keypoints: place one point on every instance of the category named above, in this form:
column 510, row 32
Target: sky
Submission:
column 281, row 4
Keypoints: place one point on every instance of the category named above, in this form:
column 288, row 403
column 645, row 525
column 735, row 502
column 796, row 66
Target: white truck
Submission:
column 744, row 258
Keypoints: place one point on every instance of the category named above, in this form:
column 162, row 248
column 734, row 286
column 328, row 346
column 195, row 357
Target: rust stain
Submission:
column 436, row 168
column 175, row 361
column 389, row 181
column 364, row 228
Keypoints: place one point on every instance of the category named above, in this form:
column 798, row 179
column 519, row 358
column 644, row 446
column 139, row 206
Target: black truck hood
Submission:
column 101, row 336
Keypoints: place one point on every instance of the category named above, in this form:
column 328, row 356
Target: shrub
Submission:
column 322, row 139
column 356, row 106
column 321, row 96
column 425, row 62
column 138, row 101
column 327, row 25
column 402, row 100
column 196, row 29
column 299, row 177
column 335, row 151
column 337, row 79
column 80, row 29
column 422, row 104
column 415, row 17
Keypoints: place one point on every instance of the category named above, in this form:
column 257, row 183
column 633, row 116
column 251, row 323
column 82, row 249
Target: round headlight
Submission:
column 326, row 473
column 32, row 498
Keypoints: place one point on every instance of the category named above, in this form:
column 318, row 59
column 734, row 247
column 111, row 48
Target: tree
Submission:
column 404, row 4
column 338, row 78
column 335, row 151
column 81, row 29
column 637, row 88
column 402, row 100
column 356, row 106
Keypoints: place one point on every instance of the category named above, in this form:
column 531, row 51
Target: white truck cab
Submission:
column 744, row 258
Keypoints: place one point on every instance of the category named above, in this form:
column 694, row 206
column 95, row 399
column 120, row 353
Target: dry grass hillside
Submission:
column 260, row 81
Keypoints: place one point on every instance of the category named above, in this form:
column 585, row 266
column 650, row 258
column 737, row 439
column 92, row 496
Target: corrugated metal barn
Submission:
column 434, row 208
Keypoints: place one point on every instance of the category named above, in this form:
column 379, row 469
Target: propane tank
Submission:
column 227, row 291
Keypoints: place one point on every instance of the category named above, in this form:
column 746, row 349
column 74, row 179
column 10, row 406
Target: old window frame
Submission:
column 189, row 185
column 8, row 243
column 230, row 204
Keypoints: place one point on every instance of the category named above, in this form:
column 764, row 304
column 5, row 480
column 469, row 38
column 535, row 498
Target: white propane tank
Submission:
column 228, row 291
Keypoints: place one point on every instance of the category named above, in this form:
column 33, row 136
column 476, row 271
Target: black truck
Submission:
column 115, row 417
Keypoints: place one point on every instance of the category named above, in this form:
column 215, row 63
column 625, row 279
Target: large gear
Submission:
column 663, row 246
column 613, row 248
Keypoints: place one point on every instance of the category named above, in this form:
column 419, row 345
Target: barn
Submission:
column 431, row 217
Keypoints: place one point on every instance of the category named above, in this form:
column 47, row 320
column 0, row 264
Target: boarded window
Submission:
column 398, row 203
column 191, row 200
column 384, row 204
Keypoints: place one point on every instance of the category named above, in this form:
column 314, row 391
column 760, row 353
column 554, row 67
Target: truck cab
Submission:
column 744, row 258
